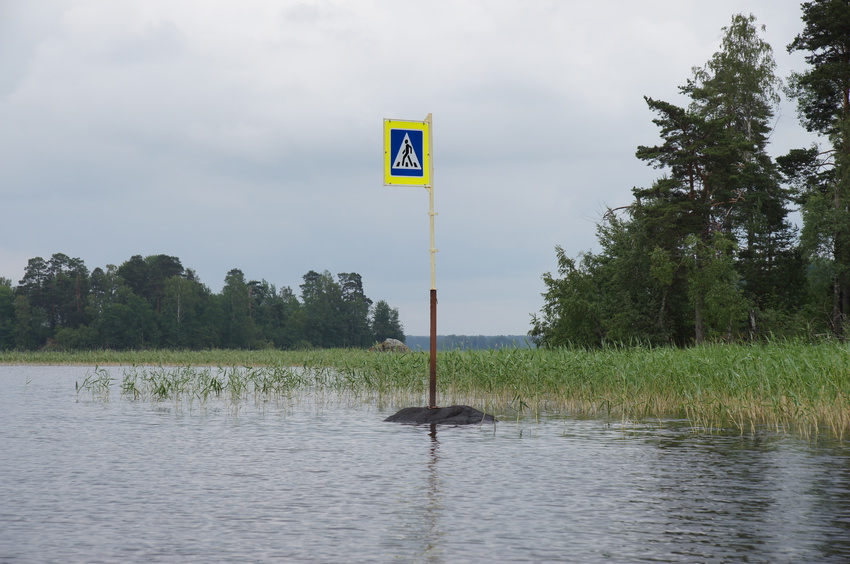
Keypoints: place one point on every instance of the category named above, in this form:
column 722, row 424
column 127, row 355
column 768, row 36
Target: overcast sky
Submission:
column 249, row 135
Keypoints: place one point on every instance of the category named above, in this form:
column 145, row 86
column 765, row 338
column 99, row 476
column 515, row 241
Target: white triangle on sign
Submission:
column 406, row 157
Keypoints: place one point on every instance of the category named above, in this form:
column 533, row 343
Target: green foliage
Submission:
column 239, row 331
column 7, row 315
column 182, row 306
column 31, row 327
column 56, row 287
column 822, row 179
column 712, row 277
column 571, row 313
column 153, row 302
column 355, row 311
column 323, row 310
column 706, row 253
column 623, row 294
column 385, row 323
column 822, row 89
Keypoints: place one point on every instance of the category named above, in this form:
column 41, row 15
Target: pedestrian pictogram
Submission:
column 407, row 153
column 406, row 157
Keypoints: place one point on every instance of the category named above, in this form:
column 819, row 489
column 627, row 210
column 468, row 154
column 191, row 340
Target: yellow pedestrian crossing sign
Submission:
column 407, row 153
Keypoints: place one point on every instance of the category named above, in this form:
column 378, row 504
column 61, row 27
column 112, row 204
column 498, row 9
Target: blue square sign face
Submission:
column 406, row 152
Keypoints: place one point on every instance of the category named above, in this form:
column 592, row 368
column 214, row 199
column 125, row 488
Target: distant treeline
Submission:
column 154, row 302
column 470, row 342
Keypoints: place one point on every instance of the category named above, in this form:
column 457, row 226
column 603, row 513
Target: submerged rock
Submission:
column 452, row 415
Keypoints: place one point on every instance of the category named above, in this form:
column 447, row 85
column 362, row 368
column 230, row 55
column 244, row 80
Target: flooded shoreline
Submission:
column 324, row 479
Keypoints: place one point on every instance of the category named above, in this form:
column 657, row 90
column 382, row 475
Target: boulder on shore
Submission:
column 391, row 345
column 452, row 415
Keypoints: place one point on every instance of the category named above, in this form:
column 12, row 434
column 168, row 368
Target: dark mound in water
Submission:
column 452, row 415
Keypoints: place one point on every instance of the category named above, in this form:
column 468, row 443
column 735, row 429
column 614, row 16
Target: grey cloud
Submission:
column 249, row 135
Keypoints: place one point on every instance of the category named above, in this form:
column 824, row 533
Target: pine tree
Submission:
column 823, row 101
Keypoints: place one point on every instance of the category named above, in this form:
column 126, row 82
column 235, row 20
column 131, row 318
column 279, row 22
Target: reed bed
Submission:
column 190, row 386
column 790, row 387
column 796, row 387
column 172, row 357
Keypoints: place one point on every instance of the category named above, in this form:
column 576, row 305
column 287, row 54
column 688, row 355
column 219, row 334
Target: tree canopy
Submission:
column 154, row 302
column 707, row 252
column 822, row 177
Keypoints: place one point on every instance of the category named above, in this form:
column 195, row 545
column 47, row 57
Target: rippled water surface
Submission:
column 323, row 479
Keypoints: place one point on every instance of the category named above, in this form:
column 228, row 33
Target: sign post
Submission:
column 408, row 149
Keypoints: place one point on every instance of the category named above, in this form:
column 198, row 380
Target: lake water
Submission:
column 324, row 479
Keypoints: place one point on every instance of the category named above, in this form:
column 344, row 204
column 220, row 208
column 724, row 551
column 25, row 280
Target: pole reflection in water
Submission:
column 434, row 501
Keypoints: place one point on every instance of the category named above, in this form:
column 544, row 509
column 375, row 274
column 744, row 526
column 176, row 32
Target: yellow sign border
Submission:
column 424, row 127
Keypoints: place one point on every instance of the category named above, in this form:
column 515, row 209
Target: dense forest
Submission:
column 154, row 302
column 707, row 253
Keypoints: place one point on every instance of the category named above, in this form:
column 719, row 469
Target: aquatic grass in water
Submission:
column 189, row 383
column 786, row 386
column 97, row 382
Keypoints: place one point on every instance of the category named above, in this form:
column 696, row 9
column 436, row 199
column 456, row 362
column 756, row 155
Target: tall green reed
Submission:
column 781, row 385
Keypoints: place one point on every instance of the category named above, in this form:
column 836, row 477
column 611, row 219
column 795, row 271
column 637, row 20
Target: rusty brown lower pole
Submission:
column 432, row 402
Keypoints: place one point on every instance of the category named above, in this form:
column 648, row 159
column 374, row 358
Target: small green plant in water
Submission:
column 97, row 382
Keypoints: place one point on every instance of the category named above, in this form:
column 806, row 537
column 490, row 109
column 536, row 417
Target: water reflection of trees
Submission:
column 752, row 494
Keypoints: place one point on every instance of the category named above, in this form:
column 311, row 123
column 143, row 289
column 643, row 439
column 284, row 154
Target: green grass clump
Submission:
column 192, row 384
column 786, row 386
